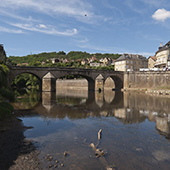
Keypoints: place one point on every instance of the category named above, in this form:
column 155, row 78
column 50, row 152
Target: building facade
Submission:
column 130, row 62
column 151, row 61
column 163, row 56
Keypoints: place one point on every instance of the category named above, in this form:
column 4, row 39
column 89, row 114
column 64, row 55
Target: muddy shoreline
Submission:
column 16, row 152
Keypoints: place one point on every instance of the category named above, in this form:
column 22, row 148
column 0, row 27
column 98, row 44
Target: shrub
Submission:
column 6, row 93
column 6, row 110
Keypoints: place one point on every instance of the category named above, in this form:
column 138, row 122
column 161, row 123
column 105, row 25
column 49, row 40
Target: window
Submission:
column 131, row 62
column 127, row 62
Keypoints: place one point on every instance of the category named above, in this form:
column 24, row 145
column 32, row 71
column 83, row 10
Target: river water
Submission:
column 135, row 129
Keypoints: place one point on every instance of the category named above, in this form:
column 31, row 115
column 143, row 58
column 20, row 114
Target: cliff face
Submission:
column 2, row 54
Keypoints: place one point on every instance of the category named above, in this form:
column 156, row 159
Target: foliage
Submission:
column 6, row 93
column 36, row 59
column 4, row 68
column 6, row 110
column 26, row 80
column 27, row 99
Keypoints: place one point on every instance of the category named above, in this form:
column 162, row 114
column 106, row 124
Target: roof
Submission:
column 131, row 57
column 166, row 46
column 153, row 57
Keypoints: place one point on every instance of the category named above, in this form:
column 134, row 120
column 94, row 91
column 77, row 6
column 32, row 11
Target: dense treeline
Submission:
column 72, row 55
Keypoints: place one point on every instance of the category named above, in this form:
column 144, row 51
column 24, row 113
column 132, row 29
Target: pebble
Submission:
column 65, row 153
column 50, row 166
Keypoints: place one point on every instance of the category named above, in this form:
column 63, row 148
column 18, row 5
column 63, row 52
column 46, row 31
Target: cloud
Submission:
column 8, row 30
column 73, row 8
column 161, row 15
column 42, row 26
column 155, row 3
column 44, row 29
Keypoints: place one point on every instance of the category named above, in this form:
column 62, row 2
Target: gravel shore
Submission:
column 16, row 152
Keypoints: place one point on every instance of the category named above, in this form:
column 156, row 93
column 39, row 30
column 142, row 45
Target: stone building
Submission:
column 130, row 62
column 163, row 56
column 151, row 61
column 2, row 54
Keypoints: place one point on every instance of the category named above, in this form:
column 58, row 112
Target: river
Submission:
column 135, row 129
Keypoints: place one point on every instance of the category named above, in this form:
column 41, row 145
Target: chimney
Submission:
column 160, row 46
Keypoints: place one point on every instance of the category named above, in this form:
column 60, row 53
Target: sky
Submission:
column 94, row 26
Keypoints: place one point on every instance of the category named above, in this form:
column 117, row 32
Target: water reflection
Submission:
column 128, row 108
column 26, row 99
column 131, row 123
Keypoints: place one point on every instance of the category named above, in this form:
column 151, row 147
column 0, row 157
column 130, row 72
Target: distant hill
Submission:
column 72, row 55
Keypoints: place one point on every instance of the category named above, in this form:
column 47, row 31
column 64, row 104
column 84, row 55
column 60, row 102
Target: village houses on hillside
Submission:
column 126, row 62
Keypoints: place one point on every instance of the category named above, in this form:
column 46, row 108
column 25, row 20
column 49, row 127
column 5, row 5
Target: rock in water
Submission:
column 99, row 134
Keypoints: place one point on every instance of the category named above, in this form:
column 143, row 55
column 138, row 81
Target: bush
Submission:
column 6, row 110
column 6, row 93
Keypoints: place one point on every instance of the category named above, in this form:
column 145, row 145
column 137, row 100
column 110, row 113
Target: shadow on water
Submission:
column 14, row 146
column 13, row 143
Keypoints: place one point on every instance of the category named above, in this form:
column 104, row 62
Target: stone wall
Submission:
column 72, row 84
column 146, row 79
column 81, row 84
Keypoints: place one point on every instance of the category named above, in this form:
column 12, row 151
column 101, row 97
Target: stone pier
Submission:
column 49, row 83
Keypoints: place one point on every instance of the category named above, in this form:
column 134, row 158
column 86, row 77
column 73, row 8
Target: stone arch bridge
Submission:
column 49, row 75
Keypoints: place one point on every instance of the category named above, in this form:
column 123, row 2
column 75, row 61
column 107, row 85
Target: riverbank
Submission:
column 16, row 152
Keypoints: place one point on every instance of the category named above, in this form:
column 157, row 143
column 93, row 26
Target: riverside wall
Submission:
column 80, row 84
column 146, row 79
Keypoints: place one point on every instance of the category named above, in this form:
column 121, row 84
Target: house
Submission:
column 93, row 59
column 113, row 62
column 84, row 61
column 2, row 54
column 130, row 62
column 163, row 56
column 65, row 60
column 107, row 61
column 55, row 60
column 151, row 61
column 95, row 64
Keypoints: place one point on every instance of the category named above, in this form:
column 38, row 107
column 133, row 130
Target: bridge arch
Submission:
column 91, row 81
column 117, row 81
column 15, row 74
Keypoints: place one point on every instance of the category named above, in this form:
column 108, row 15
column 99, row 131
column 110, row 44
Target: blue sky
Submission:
column 94, row 26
